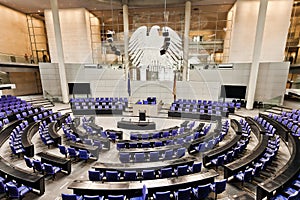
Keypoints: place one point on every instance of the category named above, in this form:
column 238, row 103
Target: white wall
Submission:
column 76, row 36
column 244, row 29
column 14, row 37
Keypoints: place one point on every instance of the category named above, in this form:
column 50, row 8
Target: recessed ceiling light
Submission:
column 39, row 11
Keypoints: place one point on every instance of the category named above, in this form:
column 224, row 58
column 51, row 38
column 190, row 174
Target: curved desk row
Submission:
column 239, row 165
column 142, row 125
column 260, row 127
column 12, row 173
column 196, row 115
column 139, row 167
column 289, row 171
column 152, row 142
column 214, row 153
column 134, row 188
column 280, row 128
column 27, row 134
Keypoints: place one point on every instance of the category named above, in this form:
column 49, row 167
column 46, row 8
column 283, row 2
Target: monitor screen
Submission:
column 79, row 88
column 233, row 91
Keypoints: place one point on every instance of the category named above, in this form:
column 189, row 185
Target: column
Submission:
column 60, row 52
column 256, row 52
column 126, row 39
column 187, row 22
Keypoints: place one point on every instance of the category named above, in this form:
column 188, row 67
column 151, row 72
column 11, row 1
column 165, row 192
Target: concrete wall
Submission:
column 244, row 29
column 76, row 35
column 203, row 84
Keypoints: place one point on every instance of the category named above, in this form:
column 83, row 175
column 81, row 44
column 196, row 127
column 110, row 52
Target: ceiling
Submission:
column 37, row 6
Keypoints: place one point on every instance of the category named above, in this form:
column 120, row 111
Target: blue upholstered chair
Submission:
column 183, row 194
column 218, row 187
column 71, row 197
column 94, row 197
column 95, row 175
column 162, row 195
column 15, row 192
column 202, row 191
column 52, row 170
column 116, row 197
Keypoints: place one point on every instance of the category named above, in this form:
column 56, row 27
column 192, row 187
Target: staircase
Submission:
column 39, row 101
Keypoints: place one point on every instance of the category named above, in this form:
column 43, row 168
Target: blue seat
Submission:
column 139, row 157
column 70, row 197
column 52, row 170
column 38, row 166
column 120, row 145
column 168, row 155
column 73, row 153
column 244, row 176
column 218, row 187
column 112, row 176
column 15, row 192
column 183, row 194
column 166, row 172
column 229, row 156
column 130, row 175
column 154, row 156
column 148, row 174
column 202, row 191
column 29, row 163
column 196, row 167
column 218, row 161
column 3, row 188
column 144, row 194
column 116, row 197
column 95, row 197
column 162, row 195
column 180, row 152
column 145, row 144
column 63, row 150
column 84, row 155
column 95, row 175
column 181, row 170
column 124, row 157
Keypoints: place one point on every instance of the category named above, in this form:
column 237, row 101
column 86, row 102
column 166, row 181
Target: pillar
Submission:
column 60, row 52
column 187, row 22
column 126, row 39
column 256, row 53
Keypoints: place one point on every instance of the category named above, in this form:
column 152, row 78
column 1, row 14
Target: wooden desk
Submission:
column 63, row 163
column 92, row 149
column 53, row 126
column 287, row 173
column 28, row 133
column 239, row 165
column 139, row 167
column 132, row 188
column 214, row 153
column 22, row 177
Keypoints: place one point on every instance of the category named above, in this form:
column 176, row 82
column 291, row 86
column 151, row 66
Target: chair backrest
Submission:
column 184, row 194
column 197, row 167
column 2, row 187
column 95, row 197
column 166, row 172
column 162, row 195
column 28, row 162
column 220, row 186
column 37, row 165
column 124, row 157
column 72, row 151
column 130, row 175
column 94, row 175
column 112, row 175
column 116, row 197
column 248, row 174
column 83, row 153
column 69, row 196
column 154, row 156
column 148, row 174
column 139, row 157
column 182, row 170
column 203, row 191
column 48, row 168
column 169, row 154
column 62, row 149
column 180, row 152
column 12, row 190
